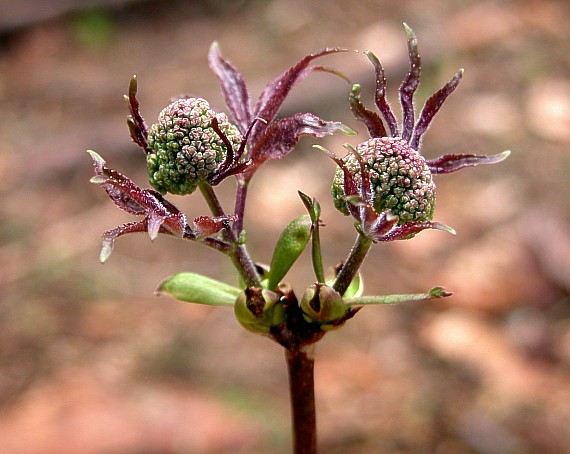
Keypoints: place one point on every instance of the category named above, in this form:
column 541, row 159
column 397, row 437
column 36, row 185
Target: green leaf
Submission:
column 195, row 288
column 354, row 290
column 312, row 206
column 436, row 292
column 314, row 209
column 289, row 247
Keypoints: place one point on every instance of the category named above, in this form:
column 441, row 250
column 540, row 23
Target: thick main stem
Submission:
column 353, row 262
column 300, row 365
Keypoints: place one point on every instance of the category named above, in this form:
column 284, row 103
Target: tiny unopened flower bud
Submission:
column 184, row 148
column 400, row 180
column 321, row 304
column 258, row 310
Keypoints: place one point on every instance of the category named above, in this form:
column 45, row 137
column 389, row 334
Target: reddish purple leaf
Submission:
column 370, row 118
column 378, row 225
column 126, row 195
column 410, row 84
column 326, row 69
column 205, row 226
column 380, row 94
column 350, row 185
column 365, row 187
column 135, row 122
column 233, row 87
column 108, row 238
column 431, row 107
column 403, row 232
column 276, row 91
column 351, row 192
column 282, row 135
column 229, row 160
column 160, row 215
column 171, row 208
column 452, row 162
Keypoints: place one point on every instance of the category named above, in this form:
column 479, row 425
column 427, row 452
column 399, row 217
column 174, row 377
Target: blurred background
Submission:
column 92, row 362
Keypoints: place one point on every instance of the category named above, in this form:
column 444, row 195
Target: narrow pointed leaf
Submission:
column 108, row 238
column 229, row 159
column 350, row 184
column 431, row 107
column 289, row 247
column 410, row 84
column 371, row 119
column 160, row 216
column 135, row 122
column 195, row 288
column 333, row 71
column 308, row 202
column 136, row 200
column 276, row 91
column 449, row 163
column 312, row 205
column 314, row 209
column 234, row 88
column 436, row 292
column 121, row 189
column 380, row 94
column 365, row 186
column 406, row 231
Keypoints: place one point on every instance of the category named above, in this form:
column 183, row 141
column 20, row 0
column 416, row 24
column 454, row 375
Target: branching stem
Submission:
column 352, row 264
column 239, row 255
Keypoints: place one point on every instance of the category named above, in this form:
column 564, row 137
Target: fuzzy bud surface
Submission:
column 185, row 148
column 400, row 180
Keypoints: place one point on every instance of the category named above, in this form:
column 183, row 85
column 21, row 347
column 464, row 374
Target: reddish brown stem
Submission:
column 300, row 365
column 352, row 264
column 239, row 255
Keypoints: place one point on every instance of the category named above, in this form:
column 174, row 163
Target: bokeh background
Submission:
column 92, row 362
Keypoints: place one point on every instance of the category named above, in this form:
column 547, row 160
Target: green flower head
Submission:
column 385, row 183
column 400, row 180
column 184, row 149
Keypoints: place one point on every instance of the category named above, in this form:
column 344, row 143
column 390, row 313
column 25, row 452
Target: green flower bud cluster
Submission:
column 399, row 178
column 185, row 148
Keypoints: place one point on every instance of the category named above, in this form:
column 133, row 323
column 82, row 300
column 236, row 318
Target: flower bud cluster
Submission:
column 185, row 149
column 400, row 179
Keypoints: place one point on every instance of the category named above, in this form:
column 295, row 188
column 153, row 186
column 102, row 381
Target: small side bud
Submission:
column 258, row 310
column 323, row 305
